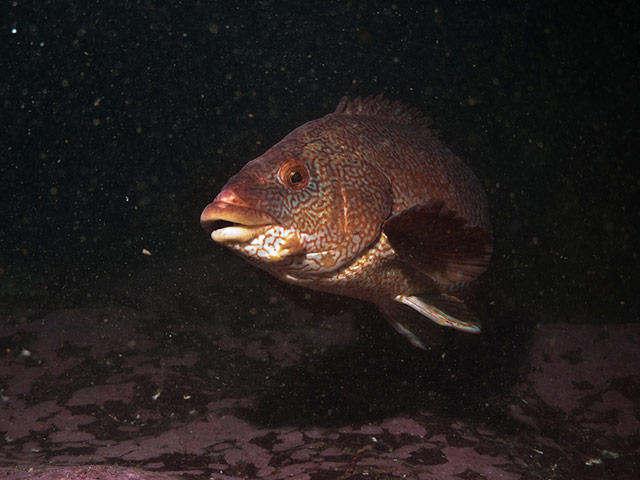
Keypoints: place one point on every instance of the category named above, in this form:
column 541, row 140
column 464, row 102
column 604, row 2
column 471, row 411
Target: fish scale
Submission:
column 366, row 202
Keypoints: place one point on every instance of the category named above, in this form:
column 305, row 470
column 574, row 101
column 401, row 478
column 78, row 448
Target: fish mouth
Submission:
column 232, row 223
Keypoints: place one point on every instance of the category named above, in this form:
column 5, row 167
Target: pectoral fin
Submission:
column 444, row 310
column 439, row 243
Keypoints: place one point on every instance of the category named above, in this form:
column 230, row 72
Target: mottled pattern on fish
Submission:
column 366, row 202
column 418, row 164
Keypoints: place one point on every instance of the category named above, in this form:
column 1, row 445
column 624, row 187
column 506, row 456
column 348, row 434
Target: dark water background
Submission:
column 119, row 121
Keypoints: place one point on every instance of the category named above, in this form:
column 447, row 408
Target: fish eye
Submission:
column 294, row 175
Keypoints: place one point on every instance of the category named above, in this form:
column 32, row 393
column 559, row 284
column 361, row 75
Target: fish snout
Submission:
column 230, row 220
column 209, row 218
column 219, row 213
column 230, row 196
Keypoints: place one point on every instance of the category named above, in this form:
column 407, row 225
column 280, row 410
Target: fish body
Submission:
column 366, row 202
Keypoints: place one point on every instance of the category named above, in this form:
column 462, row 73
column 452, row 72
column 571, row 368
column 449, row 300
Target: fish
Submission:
column 366, row 202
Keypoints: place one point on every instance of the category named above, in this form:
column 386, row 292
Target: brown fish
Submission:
column 366, row 202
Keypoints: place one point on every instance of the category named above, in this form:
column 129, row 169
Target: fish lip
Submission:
column 228, row 222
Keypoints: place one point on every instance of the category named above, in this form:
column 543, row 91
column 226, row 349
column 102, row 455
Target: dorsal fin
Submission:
column 380, row 106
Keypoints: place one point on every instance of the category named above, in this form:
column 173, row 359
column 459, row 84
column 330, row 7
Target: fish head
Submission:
column 301, row 209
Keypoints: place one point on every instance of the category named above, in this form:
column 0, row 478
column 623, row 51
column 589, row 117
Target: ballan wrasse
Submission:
column 366, row 202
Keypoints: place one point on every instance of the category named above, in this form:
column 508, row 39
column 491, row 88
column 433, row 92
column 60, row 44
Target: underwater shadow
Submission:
column 380, row 375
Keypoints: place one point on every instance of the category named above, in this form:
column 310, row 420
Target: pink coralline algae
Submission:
column 104, row 395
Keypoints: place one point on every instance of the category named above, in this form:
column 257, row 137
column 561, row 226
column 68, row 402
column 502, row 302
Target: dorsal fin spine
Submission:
column 380, row 106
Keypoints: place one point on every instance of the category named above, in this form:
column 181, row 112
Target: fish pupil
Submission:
column 295, row 177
